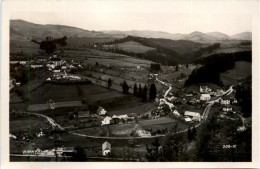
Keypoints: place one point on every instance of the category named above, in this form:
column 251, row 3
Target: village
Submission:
column 189, row 108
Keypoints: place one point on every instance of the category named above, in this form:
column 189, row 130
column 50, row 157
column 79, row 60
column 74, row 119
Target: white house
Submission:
column 225, row 102
column 195, row 116
column 56, row 61
column 175, row 112
column 101, row 111
column 125, row 117
column 227, row 108
column 36, row 66
column 41, row 134
column 205, row 97
column 187, row 119
column 143, row 133
column 106, row 148
column 106, row 121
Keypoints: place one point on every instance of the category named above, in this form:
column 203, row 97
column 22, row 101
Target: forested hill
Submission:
column 167, row 51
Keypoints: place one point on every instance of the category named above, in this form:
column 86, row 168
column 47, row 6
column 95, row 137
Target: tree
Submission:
column 109, row 83
column 152, row 92
column 189, row 135
column 140, row 91
column 194, row 132
column 125, row 87
column 177, row 68
column 48, row 46
column 144, row 94
column 152, row 151
column 79, row 154
column 135, row 92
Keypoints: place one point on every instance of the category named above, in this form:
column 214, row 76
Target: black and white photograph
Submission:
column 120, row 81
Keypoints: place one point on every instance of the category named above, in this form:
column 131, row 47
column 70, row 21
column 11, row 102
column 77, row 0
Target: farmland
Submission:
column 131, row 46
column 241, row 71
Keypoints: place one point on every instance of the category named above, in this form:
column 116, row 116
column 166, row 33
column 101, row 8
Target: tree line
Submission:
column 214, row 64
column 49, row 44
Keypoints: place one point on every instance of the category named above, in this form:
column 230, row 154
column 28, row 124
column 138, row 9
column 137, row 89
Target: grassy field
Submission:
column 162, row 123
column 28, row 123
column 241, row 70
column 62, row 93
column 136, row 109
column 135, row 47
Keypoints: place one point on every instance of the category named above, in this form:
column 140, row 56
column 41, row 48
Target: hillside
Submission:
column 22, row 29
column 243, row 36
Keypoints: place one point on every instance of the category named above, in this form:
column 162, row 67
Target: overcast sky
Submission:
column 228, row 17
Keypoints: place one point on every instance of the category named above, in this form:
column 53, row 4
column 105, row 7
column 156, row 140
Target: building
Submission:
column 205, row 97
column 101, row 111
column 34, row 66
column 56, row 61
column 225, row 102
column 175, row 112
column 143, row 133
column 193, row 115
column 227, row 108
column 106, row 121
column 106, row 148
column 187, row 119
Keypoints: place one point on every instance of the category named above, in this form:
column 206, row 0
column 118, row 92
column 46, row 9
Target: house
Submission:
column 125, row 117
column 106, row 121
column 187, row 119
column 143, row 133
column 175, row 112
column 106, row 148
column 101, row 111
column 12, row 136
column 34, row 66
column 195, row 116
column 51, row 65
column 227, row 108
column 41, row 134
column 205, row 97
column 56, row 61
column 225, row 102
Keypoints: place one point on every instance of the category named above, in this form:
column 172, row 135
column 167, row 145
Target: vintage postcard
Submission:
column 121, row 84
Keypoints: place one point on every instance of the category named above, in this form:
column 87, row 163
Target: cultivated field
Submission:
column 241, row 71
column 134, row 47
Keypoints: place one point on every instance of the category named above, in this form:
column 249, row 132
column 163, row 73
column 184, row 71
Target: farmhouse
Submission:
column 143, row 133
column 175, row 112
column 225, row 102
column 227, row 108
column 101, row 111
column 106, row 121
column 205, row 97
column 56, row 61
column 187, row 119
column 106, row 148
column 195, row 116
column 36, row 66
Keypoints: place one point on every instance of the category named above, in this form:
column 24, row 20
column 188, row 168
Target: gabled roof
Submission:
column 190, row 113
column 55, row 59
column 106, row 145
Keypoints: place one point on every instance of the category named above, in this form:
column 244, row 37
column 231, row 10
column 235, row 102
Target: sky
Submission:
column 229, row 17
